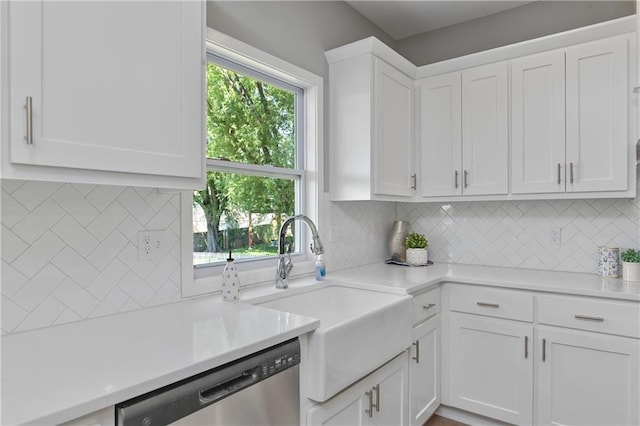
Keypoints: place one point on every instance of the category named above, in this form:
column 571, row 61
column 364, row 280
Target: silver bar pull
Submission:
column 559, row 172
column 456, row 173
column 417, row 357
column 570, row 172
column 369, row 410
column 588, row 317
column 377, row 404
column 466, row 178
column 414, row 178
column 526, row 347
column 29, row 108
column 544, row 350
column 488, row 305
column 429, row 306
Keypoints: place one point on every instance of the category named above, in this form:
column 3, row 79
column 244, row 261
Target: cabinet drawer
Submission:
column 605, row 316
column 491, row 302
column 426, row 305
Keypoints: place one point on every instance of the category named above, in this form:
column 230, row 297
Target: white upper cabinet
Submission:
column 597, row 116
column 537, row 124
column 393, row 139
column 440, row 135
column 464, row 142
column 589, row 152
column 106, row 87
column 371, row 123
column 485, row 140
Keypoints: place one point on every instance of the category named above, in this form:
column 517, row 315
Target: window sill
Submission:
column 248, row 278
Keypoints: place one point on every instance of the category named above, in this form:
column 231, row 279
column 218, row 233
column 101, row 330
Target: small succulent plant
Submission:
column 415, row 240
column 631, row 256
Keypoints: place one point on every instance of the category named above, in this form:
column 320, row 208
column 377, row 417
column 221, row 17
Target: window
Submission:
column 263, row 164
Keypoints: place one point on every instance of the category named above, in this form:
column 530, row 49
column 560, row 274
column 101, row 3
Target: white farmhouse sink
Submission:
column 359, row 331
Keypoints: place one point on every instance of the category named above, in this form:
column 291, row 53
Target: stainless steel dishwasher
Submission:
column 260, row 389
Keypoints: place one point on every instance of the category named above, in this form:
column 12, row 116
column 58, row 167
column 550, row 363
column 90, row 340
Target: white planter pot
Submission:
column 630, row 271
column 417, row 257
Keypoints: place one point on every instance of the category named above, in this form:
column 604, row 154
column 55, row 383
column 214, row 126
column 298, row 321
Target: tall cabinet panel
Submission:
column 485, row 130
column 537, row 124
column 393, row 118
column 440, row 135
column 597, row 115
column 114, row 86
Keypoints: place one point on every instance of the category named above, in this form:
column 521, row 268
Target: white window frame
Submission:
column 263, row 271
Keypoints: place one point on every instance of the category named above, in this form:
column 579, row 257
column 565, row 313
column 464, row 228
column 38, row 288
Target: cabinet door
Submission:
column 440, row 135
column 424, row 372
column 597, row 109
column 485, row 130
column 390, row 393
column 587, row 378
column 491, row 368
column 113, row 86
column 537, row 124
column 346, row 408
column 392, row 118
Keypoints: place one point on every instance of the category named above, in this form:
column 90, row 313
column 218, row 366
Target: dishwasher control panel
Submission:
column 281, row 363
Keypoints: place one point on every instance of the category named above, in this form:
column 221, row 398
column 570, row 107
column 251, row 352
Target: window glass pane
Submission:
column 249, row 121
column 240, row 212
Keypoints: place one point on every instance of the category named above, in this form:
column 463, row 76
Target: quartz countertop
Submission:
column 412, row 280
column 60, row 373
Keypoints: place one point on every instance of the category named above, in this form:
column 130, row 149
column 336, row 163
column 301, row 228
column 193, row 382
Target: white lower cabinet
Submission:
column 104, row 417
column 587, row 378
column 491, row 367
column 424, row 371
column 378, row 399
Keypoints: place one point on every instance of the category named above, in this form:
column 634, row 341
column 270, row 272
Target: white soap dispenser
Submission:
column 230, row 281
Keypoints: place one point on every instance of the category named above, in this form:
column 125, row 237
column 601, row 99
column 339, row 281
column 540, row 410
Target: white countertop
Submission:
column 60, row 373
column 412, row 280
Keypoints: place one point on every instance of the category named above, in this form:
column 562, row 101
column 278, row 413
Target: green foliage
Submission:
column 415, row 240
column 631, row 255
column 247, row 122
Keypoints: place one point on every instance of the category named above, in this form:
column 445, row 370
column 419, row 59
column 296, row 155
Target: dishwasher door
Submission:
column 261, row 389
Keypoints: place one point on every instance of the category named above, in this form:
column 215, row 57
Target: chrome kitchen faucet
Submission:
column 285, row 266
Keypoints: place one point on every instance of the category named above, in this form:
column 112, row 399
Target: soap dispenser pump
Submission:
column 230, row 281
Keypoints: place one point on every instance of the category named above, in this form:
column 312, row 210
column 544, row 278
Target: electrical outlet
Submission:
column 555, row 236
column 151, row 245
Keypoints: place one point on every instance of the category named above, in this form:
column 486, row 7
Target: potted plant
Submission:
column 630, row 265
column 417, row 249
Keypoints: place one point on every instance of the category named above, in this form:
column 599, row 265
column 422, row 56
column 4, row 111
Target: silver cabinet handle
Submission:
column 466, row 178
column 570, row 172
column 429, row 306
column 417, row 357
column 588, row 317
column 414, row 178
column 369, row 410
column 559, row 172
column 488, row 305
column 544, row 350
column 29, row 108
column 376, row 388
column 636, row 89
column 526, row 347
column 456, row 173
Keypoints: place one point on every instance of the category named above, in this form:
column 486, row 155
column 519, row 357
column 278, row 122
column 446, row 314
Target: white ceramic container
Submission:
column 630, row 271
column 417, row 257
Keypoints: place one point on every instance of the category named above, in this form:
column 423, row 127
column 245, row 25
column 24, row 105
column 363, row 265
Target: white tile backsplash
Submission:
column 69, row 252
column 518, row 233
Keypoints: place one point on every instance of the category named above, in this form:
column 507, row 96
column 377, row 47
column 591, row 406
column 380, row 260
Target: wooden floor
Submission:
column 442, row 421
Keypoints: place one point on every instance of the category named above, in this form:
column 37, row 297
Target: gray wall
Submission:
column 511, row 26
column 297, row 31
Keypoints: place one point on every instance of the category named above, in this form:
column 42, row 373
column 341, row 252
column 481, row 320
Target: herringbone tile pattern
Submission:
column 518, row 233
column 69, row 252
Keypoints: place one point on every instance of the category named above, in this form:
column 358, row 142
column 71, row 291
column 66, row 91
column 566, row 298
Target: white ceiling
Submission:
column 402, row 19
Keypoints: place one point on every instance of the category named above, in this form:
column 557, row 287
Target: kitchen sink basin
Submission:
column 359, row 331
